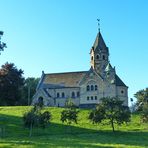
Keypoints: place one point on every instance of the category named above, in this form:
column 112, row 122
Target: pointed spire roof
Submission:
column 108, row 67
column 99, row 43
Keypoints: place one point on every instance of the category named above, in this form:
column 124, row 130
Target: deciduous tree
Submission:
column 35, row 118
column 142, row 98
column 11, row 82
column 28, row 90
column 70, row 113
column 111, row 111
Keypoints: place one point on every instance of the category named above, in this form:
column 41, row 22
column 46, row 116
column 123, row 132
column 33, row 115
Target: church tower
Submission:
column 99, row 55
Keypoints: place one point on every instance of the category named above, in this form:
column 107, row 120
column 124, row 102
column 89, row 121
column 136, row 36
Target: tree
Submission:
column 144, row 114
column 142, row 103
column 112, row 111
column 28, row 90
column 2, row 44
column 70, row 113
column 11, row 82
column 35, row 118
column 142, row 98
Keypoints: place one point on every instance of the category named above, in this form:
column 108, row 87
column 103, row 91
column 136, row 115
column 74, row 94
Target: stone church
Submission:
column 84, row 88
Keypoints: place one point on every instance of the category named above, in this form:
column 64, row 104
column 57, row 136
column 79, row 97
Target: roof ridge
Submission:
column 66, row 72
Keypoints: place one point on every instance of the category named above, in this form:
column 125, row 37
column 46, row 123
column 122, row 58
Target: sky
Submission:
column 56, row 36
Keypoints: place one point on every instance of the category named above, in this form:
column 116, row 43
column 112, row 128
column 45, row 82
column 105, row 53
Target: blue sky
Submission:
column 56, row 36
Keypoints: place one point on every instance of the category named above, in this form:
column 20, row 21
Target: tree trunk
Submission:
column 112, row 123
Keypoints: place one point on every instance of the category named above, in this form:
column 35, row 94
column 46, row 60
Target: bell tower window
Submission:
column 92, row 58
column 97, row 57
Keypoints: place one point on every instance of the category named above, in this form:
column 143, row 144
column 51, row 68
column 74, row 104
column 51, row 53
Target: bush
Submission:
column 34, row 118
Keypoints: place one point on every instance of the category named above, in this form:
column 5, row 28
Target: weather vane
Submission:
column 98, row 25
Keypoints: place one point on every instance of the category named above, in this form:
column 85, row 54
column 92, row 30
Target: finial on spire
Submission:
column 98, row 25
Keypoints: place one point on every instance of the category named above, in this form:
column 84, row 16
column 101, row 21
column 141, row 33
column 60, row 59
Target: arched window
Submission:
column 92, row 57
column 92, row 87
column 40, row 100
column 96, row 87
column 97, row 57
column 63, row 95
column 58, row 95
column 73, row 95
column 88, row 88
column 78, row 94
column 88, row 98
column 103, row 57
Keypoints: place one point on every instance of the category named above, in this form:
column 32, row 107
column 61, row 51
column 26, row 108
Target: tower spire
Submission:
column 98, row 25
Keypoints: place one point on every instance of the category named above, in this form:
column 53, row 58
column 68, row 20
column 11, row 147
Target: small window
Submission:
column 40, row 100
column 92, row 58
column 103, row 57
column 95, row 97
column 122, row 92
column 73, row 95
column 92, row 98
column 58, row 95
column 87, row 98
column 78, row 94
column 96, row 87
column 97, row 57
column 92, row 87
column 88, row 88
column 63, row 95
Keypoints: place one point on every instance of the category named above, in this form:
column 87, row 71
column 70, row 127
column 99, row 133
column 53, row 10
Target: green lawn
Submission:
column 81, row 135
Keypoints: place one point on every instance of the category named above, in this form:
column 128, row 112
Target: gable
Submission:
column 91, row 75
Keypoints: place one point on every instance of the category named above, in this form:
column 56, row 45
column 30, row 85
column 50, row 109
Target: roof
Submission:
column 119, row 82
column 60, row 80
column 99, row 43
column 108, row 67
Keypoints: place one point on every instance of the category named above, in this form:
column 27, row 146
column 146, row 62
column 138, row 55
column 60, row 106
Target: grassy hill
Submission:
column 81, row 135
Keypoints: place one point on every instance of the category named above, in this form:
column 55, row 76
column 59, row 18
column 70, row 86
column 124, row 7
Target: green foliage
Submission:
column 70, row 104
column 112, row 111
column 28, row 90
column 11, row 82
column 142, row 97
column 34, row 118
column 44, row 119
column 142, row 103
column 31, row 118
column 84, row 134
column 2, row 44
column 97, row 115
column 144, row 115
column 70, row 114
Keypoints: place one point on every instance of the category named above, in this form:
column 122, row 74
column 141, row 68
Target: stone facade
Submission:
column 84, row 88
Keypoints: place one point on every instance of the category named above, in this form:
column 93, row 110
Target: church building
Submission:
column 84, row 88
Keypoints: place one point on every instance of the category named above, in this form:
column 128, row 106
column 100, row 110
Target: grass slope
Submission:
column 81, row 135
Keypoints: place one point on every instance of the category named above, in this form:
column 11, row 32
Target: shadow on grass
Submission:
column 61, row 135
